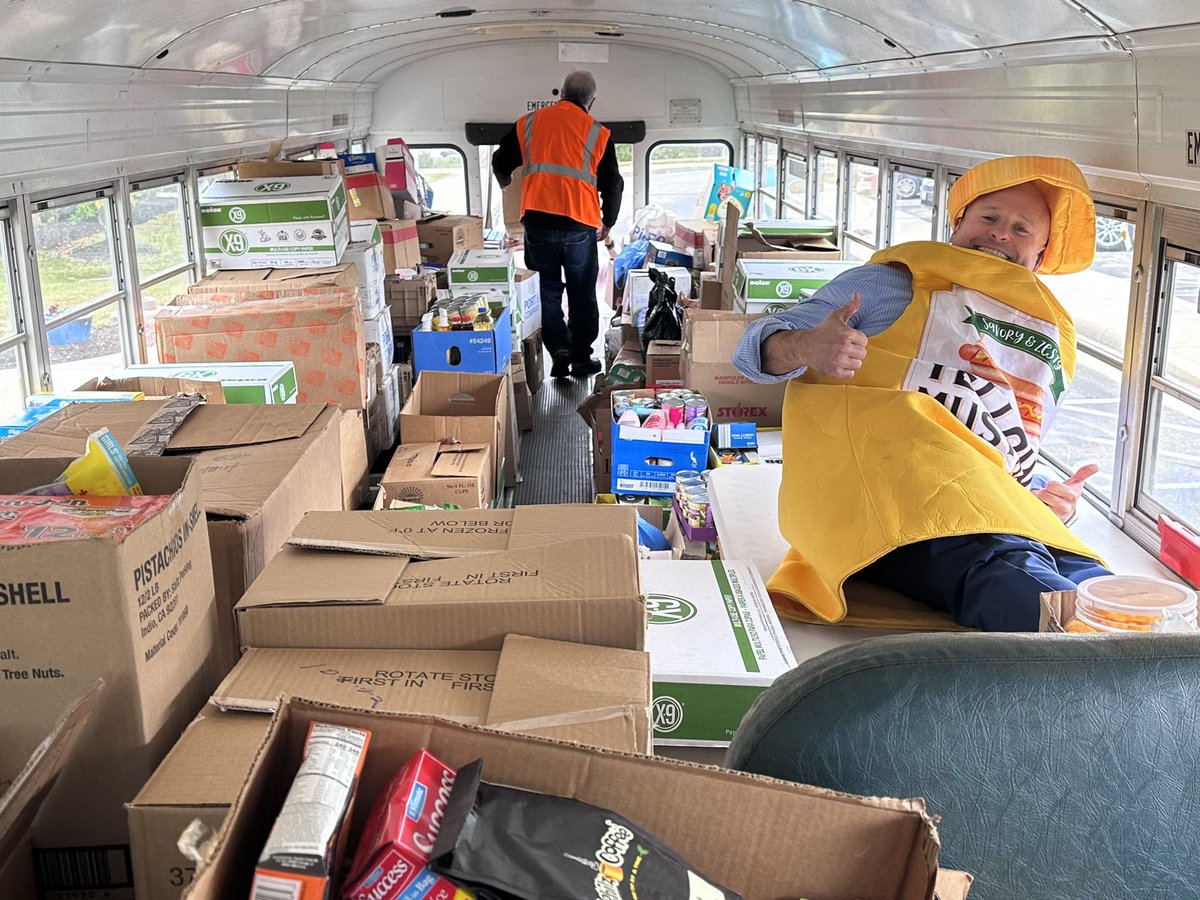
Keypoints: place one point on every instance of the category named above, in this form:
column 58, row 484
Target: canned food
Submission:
column 673, row 407
column 694, row 407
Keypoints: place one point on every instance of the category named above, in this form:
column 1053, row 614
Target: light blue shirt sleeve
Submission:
column 884, row 293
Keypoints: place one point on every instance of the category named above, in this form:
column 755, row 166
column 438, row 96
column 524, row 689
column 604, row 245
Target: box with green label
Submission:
column 771, row 285
column 241, row 382
column 475, row 270
column 286, row 223
column 715, row 644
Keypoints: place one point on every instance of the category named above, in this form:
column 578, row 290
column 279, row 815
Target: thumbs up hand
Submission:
column 1062, row 496
column 833, row 348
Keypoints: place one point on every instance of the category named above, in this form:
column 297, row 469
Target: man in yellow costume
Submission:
column 922, row 383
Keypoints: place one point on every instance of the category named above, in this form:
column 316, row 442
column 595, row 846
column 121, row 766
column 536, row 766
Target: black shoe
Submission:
column 561, row 367
column 585, row 368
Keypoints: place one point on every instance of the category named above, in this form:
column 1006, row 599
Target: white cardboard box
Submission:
column 770, row 285
column 526, row 302
column 715, row 644
column 379, row 331
column 475, row 270
column 241, row 382
column 638, row 285
column 285, row 223
column 366, row 252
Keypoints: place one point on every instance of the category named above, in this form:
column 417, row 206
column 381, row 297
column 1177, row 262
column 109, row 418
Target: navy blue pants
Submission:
column 987, row 581
column 566, row 260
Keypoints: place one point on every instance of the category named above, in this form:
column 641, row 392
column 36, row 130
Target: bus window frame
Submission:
column 730, row 156
column 462, row 156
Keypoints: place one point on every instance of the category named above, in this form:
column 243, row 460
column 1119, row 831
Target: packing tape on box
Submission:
column 155, row 434
column 578, row 717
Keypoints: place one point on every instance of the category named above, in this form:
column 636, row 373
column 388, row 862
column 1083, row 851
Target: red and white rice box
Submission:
column 300, row 858
column 390, row 862
column 323, row 337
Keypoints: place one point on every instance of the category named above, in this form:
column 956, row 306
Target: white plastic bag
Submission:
column 653, row 222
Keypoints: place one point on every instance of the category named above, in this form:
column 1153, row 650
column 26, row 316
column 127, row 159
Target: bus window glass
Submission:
column 795, row 187
column 912, row 206
column 862, row 208
column 750, row 153
column 625, row 220
column 82, row 347
column 11, row 398
column 768, row 182
column 76, row 258
column 1098, row 298
column 1172, row 471
column 159, row 230
column 8, row 316
column 1181, row 350
column 445, row 168
column 1085, row 429
column 827, row 187
column 679, row 174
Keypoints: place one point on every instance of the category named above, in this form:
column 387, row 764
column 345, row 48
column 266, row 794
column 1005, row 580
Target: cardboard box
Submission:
column 484, row 352
column 379, row 430
column 153, row 387
column 401, row 247
column 475, row 270
column 287, row 168
column 598, row 696
column 441, row 236
column 470, row 409
column 368, row 197
column 352, row 424
column 809, row 241
column 715, row 644
column 391, row 397
column 709, row 338
column 435, row 474
column 645, row 460
column 837, row 845
column 22, row 796
column 365, row 253
column 259, row 469
column 555, row 572
column 526, row 302
column 355, row 163
column 698, row 236
column 340, row 280
column 665, row 255
column 662, row 363
column 137, row 612
column 408, row 299
column 771, row 285
column 396, row 162
column 379, row 331
column 710, row 291
column 248, row 382
column 531, row 353
column 321, row 336
column 511, row 199
column 290, row 223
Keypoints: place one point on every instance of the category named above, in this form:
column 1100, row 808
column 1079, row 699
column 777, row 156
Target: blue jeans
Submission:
column 987, row 581
column 566, row 259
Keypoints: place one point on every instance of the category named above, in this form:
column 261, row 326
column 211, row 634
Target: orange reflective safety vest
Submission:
column 561, row 146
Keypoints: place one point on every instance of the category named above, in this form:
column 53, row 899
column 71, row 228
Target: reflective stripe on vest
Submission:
column 589, row 150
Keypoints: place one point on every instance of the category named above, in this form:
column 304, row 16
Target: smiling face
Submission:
column 1013, row 224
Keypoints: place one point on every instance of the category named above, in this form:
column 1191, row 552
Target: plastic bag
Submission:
column 102, row 471
column 664, row 315
column 633, row 256
column 653, row 223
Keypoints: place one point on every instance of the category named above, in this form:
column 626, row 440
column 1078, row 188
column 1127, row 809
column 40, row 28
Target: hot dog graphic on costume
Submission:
column 1029, row 395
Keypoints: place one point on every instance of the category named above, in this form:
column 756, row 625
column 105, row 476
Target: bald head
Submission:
column 579, row 87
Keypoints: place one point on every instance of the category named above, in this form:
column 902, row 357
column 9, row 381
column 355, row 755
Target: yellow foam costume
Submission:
column 937, row 433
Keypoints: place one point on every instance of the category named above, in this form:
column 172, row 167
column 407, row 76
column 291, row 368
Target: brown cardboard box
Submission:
column 662, row 363
column 355, row 467
column 709, row 338
column 407, row 299
column 596, row 411
column 369, row 197
column 273, row 284
column 401, row 246
column 442, row 236
column 531, row 352
column 155, row 387
column 523, row 404
column 287, row 168
column 1057, row 609
column 711, row 291
column 512, row 204
column 468, row 408
column 259, row 468
column 837, row 845
column 348, row 580
column 529, row 683
column 138, row 613
column 734, row 247
column 23, row 796
column 435, row 474
column 322, row 335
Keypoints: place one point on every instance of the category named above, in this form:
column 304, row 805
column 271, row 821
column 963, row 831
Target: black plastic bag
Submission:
column 664, row 315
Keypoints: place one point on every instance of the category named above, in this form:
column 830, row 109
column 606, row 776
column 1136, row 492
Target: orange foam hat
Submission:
column 1072, row 242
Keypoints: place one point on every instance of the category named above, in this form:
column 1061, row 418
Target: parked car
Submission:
column 1113, row 234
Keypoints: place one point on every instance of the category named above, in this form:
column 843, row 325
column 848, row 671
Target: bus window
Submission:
column 12, row 340
column 793, row 203
column 445, row 168
column 680, row 172
column 164, row 256
column 911, row 204
column 80, row 289
column 862, row 208
column 1085, row 430
column 825, row 199
column 1171, row 472
column 625, row 164
column 750, row 153
column 768, row 182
